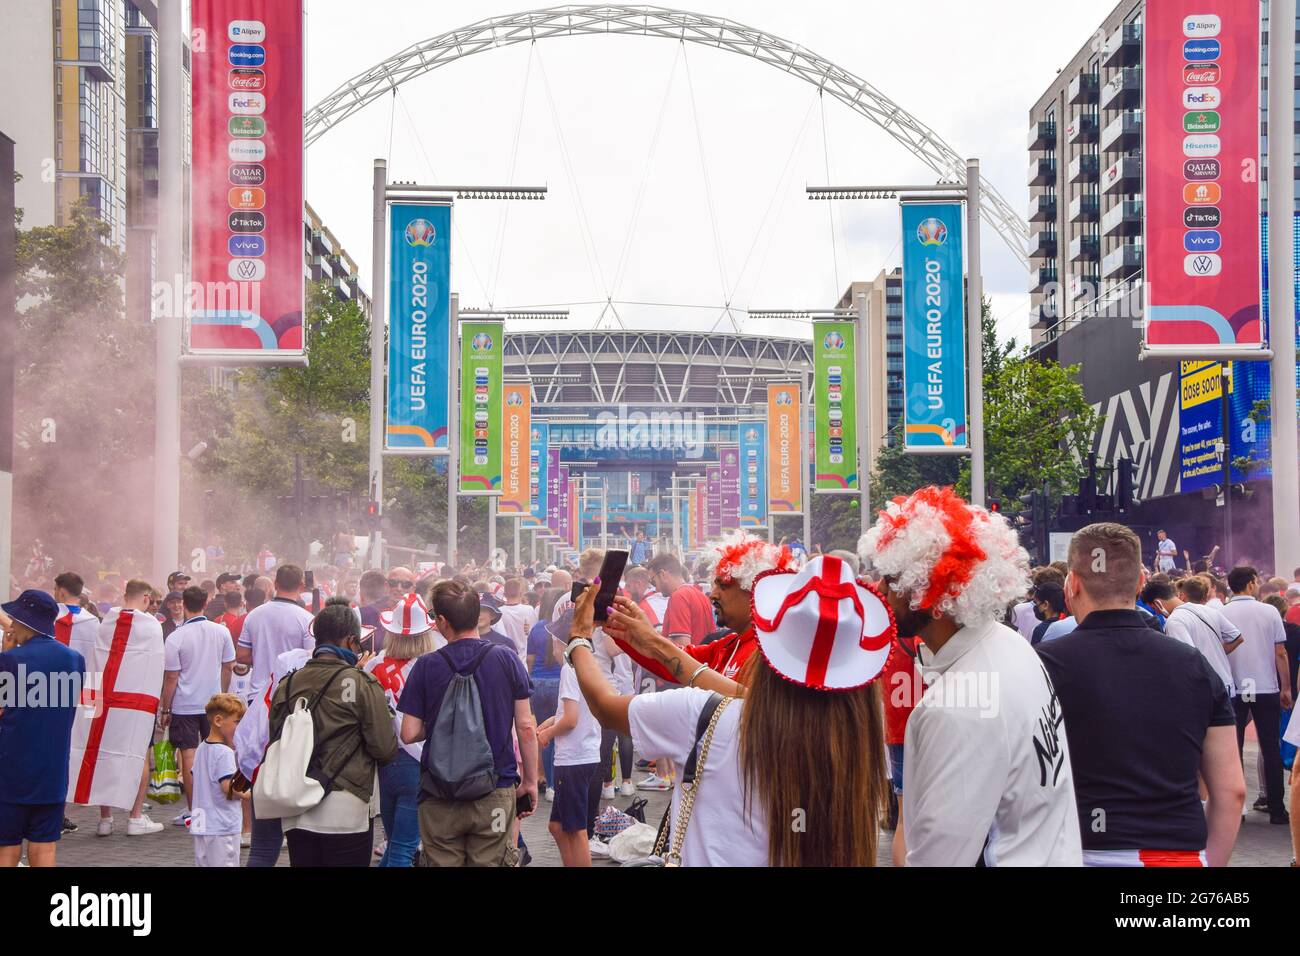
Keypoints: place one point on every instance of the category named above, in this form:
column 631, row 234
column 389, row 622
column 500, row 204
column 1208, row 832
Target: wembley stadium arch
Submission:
column 597, row 389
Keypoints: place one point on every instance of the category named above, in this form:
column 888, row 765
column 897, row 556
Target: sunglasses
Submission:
column 400, row 583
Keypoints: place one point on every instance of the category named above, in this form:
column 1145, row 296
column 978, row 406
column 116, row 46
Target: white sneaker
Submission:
column 245, row 839
column 550, row 794
column 141, row 825
column 607, row 792
column 181, row 819
column 599, row 850
column 628, row 789
column 655, row 782
column 105, row 827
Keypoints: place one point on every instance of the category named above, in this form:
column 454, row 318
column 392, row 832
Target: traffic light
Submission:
column 995, row 506
column 1031, row 522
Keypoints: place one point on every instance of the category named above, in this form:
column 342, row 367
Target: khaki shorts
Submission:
column 469, row 833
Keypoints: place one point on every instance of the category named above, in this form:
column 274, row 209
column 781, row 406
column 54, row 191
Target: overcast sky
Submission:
column 641, row 218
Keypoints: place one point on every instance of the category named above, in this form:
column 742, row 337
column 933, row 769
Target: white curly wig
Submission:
column 741, row 557
column 947, row 555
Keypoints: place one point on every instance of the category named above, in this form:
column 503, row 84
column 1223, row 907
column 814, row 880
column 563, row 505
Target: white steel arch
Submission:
column 853, row 91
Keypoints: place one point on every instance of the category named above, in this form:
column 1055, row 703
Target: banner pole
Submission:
column 492, row 528
column 1281, row 288
column 808, row 482
column 453, row 426
column 378, row 313
column 866, row 440
column 975, row 332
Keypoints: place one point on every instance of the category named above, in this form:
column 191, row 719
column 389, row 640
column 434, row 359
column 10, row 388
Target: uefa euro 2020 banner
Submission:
column 246, row 237
column 785, row 463
column 515, row 444
column 753, row 474
column 481, row 343
column 934, row 323
column 538, row 441
column 1200, row 165
column 835, row 403
column 419, row 317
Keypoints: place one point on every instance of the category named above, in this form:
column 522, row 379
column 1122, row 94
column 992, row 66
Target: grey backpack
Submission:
column 458, row 762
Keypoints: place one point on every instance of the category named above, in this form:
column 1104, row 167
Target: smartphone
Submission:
column 310, row 579
column 523, row 804
column 611, row 575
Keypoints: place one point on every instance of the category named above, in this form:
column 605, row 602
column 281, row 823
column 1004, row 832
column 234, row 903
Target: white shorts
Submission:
column 222, row 850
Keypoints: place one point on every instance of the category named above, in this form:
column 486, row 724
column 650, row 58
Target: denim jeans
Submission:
column 546, row 697
column 399, row 799
column 268, row 838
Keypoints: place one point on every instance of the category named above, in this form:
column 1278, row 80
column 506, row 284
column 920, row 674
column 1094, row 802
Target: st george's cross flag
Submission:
column 114, row 724
column 77, row 628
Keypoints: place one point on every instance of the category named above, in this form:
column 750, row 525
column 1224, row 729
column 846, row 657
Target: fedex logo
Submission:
column 247, row 104
column 1201, row 97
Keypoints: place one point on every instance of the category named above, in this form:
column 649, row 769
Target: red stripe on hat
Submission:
column 828, row 618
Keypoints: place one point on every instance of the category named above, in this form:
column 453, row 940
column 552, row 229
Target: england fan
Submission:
column 986, row 770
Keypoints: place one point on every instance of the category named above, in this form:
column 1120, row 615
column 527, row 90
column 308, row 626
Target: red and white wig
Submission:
column 949, row 556
column 741, row 557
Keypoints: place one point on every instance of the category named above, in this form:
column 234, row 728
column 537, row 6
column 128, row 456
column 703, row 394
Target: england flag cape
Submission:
column 77, row 628
column 114, row 724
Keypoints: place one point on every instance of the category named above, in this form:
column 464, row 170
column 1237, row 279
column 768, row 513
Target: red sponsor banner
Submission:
column 246, row 232
column 1201, row 192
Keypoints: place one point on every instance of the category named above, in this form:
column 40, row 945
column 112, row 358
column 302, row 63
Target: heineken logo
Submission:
column 1201, row 121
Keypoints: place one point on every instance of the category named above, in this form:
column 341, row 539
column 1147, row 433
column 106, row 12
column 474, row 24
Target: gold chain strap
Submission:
column 689, row 792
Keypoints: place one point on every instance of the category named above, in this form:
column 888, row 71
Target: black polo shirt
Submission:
column 1137, row 705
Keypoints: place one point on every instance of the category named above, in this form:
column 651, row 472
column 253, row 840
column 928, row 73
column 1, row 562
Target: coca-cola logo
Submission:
column 1199, row 74
column 247, row 79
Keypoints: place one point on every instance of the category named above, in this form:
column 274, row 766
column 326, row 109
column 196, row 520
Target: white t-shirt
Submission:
column 516, row 621
column 197, row 650
column 1254, row 662
column 719, row 833
column 986, row 767
column 1168, row 552
column 1022, row 615
column 581, row 744
column 254, row 731
column 213, row 814
column 270, row 630
column 1205, row 629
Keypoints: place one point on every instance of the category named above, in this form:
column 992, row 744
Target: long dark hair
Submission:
column 815, row 761
column 544, row 611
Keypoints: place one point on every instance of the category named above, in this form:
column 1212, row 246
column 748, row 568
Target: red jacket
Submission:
column 726, row 655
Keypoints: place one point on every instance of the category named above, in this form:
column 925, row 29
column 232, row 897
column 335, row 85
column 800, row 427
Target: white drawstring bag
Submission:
column 282, row 788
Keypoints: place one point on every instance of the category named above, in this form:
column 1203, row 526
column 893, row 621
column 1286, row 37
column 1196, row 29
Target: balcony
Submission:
column 1084, row 208
column 1042, row 172
column 1044, row 315
column 1123, row 132
column 1042, row 135
column 1124, row 90
column 1085, row 249
column 1042, row 243
column 1124, row 262
column 1042, row 208
column 1083, row 89
column 1082, row 128
column 1042, row 277
column 1123, row 47
column 1122, row 176
column 1123, row 219
column 1084, row 168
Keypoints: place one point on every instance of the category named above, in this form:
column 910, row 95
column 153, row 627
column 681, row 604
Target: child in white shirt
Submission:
column 577, row 778
column 217, row 811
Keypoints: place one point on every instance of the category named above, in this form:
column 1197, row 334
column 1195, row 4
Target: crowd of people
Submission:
column 794, row 705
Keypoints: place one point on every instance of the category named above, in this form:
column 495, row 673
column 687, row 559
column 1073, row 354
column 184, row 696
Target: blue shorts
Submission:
column 577, row 797
column 33, row 822
column 896, row 767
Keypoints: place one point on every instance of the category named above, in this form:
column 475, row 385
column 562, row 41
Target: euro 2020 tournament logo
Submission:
column 514, row 399
column 751, row 434
column 834, row 341
column 420, row 232
column 482, row 342
column 783, row 398
column 931, row 232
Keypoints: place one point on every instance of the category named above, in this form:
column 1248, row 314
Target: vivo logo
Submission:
column 241, row 246
column 246, row 150
column 1206, row 145
column 1201, row 51
column 1202, row 264
column 253, row 31
column 1202, row 240
column 247, row 104
column 246, row 54
column 247, row 270
column 1201, row 25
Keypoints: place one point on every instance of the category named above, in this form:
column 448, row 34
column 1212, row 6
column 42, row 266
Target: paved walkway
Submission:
column 1259, row 843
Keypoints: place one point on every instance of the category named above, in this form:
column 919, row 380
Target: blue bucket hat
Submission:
column 34, row 608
